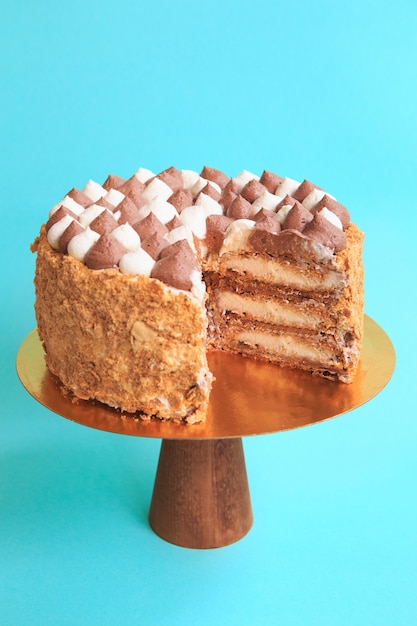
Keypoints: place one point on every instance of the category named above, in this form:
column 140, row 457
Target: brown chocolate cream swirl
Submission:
column 105, row 253
column 176, row 265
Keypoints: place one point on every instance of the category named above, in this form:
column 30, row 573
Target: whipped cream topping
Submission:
column 157, row 224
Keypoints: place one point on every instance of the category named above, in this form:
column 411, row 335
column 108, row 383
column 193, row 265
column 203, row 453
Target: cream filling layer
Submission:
column 282, row 273
column 269, row 311
column 286, row 346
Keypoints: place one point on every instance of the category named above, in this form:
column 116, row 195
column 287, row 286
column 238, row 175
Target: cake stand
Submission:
column 201, row 496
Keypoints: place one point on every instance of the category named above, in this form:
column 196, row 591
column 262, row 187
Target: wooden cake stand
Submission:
column 201, row 495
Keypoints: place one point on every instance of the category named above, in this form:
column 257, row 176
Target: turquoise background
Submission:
column 317, row 89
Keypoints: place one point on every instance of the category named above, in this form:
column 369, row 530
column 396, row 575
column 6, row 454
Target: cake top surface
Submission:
column 161, row 224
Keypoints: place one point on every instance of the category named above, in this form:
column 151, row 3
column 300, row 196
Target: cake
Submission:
column 137, row 279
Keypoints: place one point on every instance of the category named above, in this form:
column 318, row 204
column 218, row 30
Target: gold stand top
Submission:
column 248, row 397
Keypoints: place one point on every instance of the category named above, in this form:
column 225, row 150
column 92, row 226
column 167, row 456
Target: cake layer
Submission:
column 332, row 356
column 280, row 272
column 271, row 310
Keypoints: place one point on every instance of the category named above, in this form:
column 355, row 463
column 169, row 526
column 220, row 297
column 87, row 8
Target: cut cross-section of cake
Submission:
column 136, row 279
column 285, row 299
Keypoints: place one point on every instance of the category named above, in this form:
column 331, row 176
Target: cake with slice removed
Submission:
column 136, row 279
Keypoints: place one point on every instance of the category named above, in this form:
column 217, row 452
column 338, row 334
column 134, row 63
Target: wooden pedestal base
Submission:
column 201, row 494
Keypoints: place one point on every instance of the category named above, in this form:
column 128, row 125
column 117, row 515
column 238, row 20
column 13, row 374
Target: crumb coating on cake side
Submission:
column 127, row 341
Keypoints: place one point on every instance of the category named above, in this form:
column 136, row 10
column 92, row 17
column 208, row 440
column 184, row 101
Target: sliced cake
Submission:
column 136, row 279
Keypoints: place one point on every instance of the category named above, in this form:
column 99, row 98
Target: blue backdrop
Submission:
column 319, row 89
